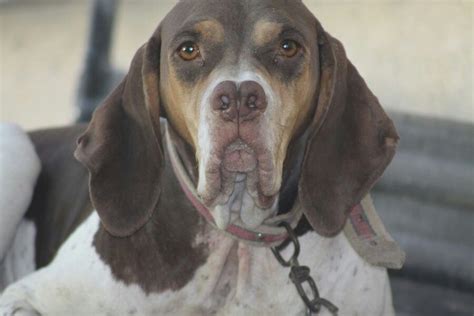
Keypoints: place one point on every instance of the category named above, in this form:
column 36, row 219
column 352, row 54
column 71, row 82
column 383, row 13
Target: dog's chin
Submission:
column 237, row 182
column 239, row 188
column 244, row 205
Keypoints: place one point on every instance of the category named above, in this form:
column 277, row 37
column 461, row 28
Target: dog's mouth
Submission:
column 239, row 158
column 241, row 186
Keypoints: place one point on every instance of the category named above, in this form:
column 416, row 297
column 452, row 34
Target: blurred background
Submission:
column 417, row 56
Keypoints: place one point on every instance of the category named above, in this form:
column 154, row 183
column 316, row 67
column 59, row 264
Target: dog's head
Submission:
column 240, row 82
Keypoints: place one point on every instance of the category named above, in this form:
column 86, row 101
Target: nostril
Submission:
column 224, row 97
column 252, row 102
column 225, row 102
column 253, row 99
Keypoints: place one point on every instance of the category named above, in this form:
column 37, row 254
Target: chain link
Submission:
column 300, row 275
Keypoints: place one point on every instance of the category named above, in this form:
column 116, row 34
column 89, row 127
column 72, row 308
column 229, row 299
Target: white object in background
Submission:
column 19, row 170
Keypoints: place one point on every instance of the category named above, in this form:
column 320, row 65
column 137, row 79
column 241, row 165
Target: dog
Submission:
column 235, row 118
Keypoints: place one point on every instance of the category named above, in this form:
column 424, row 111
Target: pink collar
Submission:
column 268, row 234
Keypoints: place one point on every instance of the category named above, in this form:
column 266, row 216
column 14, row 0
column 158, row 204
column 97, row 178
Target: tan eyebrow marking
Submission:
column 265, row 31
column 211, row 29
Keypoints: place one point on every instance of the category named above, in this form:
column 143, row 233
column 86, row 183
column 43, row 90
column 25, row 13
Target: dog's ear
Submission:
column 351, row 141
column 122, row 147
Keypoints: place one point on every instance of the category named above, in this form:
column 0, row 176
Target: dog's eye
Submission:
column 188, row 51
column 289, row 48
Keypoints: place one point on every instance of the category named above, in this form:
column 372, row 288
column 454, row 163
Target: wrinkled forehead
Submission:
column 238, row 21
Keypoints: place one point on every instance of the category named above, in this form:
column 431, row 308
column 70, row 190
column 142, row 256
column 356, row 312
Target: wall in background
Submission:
column 416, row 56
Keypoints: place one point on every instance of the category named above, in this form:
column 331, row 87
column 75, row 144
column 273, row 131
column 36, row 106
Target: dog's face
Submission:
column 234, row 84
column 239, row 82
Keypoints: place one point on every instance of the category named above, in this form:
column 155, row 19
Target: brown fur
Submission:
column 162, row 255
column 147, row 225
column 264, row 31
column 211, row 29
column 348, row 149
column 345, row 153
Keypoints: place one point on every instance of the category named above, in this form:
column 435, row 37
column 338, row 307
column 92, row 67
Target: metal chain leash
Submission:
column 301, row 274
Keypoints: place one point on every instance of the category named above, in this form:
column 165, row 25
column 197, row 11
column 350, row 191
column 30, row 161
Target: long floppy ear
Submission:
column 351, row 142
column 122, row 147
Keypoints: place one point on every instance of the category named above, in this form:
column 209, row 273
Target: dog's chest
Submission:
column 238, row 279
column 235, row 280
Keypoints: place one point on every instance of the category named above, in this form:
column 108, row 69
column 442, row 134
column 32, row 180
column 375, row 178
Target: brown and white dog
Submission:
column 265, row 112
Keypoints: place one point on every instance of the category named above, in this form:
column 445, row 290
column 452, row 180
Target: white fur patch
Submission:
column 251, row 215
column 235, row 280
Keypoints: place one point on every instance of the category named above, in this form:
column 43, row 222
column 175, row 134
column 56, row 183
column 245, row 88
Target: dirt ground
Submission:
column 416, row 56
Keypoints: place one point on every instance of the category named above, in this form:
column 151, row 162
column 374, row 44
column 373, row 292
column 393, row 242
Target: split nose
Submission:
column 239, row 104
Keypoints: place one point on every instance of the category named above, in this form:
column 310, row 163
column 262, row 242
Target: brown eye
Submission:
column 188, row 51
column 289, row 48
